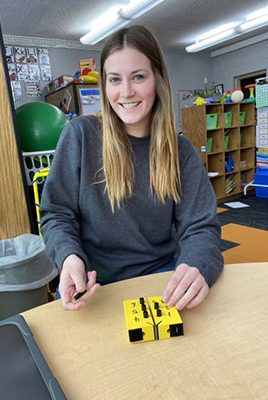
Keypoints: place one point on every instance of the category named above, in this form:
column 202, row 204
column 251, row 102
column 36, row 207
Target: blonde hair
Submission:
column 163, row 149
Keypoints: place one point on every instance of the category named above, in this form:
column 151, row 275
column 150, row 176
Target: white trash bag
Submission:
column 24, row 264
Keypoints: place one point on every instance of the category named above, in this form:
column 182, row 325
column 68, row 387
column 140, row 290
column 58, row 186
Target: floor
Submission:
column 245, row 231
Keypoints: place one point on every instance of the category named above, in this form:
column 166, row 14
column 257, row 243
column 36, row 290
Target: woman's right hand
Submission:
column 73, row 280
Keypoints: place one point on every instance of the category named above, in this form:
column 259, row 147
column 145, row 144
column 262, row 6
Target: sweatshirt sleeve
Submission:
column 196, row 221
column 59, row 208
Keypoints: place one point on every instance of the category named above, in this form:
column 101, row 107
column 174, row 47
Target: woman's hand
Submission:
column 73, row 280
column 186, row 288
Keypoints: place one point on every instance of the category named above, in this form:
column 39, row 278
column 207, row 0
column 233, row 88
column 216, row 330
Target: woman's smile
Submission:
column 129, row 106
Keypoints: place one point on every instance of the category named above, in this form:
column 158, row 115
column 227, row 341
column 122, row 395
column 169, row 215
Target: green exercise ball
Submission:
column 39, row 126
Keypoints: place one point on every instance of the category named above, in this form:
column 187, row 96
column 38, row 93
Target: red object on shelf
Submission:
column 85, row 71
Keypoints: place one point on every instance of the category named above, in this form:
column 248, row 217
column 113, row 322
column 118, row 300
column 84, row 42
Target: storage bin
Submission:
column 242, row 116
column 36, row 160
column 209, row 144
column 227, row 121
column 226, row 142
column 211, row 121
column 261, row 177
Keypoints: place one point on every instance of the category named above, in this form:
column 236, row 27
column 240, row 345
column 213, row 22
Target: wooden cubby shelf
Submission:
column 233, row 136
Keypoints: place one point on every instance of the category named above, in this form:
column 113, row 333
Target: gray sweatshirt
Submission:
column 76, row 216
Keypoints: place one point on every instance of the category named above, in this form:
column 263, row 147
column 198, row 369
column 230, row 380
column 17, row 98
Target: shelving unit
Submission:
column 239, row 146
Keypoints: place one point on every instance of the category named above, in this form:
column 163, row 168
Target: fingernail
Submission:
column 164, row 298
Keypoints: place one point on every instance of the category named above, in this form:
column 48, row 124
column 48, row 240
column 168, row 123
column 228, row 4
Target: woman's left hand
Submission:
column 186, row 288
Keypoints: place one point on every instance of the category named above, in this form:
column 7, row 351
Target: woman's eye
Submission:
column 138, row 77
column 113, row 80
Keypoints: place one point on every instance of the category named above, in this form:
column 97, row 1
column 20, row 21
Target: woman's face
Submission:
column 130, row 89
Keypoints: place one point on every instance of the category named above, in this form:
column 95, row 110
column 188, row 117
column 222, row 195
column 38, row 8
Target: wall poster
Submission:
column 32, row 88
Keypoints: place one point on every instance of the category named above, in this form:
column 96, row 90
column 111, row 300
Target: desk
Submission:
column 223, row 354
column 56, row 98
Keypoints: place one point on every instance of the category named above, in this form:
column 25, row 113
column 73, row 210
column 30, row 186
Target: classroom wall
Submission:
column 187, row 71
column 63, row 62
column 249, row 59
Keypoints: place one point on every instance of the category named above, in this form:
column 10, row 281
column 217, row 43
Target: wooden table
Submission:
column 222, row 355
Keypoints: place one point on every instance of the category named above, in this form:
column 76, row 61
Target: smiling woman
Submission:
column 112, row 210
column 130, row 89
column 132, row 51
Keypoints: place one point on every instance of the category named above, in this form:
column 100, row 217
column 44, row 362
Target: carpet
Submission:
column 255, row 216
column 252, row 244
column 244, row 231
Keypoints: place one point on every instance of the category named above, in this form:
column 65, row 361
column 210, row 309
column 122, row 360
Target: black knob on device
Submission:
column 145, row 314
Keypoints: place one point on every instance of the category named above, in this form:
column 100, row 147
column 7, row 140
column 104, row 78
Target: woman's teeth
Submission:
column 129, row 105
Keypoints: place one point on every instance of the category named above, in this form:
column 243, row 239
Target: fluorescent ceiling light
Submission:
column 203, row 44
column 138, row 7
column 118, row 19
column 105, row 19
column 254, row 24
column 257, row 14
column 255, row 20
column 214, row 32
column 94, row 36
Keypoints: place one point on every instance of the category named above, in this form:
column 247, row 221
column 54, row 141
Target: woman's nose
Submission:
column 127, row 89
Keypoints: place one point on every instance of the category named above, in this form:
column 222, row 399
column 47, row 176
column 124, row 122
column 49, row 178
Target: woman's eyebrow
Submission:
column 132, row 72
column 112, row 73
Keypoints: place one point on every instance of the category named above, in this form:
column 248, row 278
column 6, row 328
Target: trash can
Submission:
column 24, row 273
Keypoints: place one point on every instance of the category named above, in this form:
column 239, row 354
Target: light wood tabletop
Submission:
column 222, row 355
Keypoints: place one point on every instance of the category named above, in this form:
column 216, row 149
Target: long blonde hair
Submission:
column 163, row 149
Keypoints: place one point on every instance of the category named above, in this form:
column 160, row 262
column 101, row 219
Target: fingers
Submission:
column 69, row 303
column 173, row 284
column 80, row 285
column 67, row 292
column 91, row 275
column 186, row 288
column 73, row 283
column 202, row 294
column 92, row 286
column 72, row 306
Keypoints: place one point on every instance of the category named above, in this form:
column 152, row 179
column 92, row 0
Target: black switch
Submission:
column 145, row 314
column 158, row 312
column 135, row 335
column 176, row 330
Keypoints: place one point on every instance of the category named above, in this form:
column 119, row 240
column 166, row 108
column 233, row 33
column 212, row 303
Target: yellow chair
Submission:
column 41, row 173
column 38, row 178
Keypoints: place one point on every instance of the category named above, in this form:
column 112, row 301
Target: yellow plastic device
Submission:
column 167, row 319
column 151, row 319
column 140, row 324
